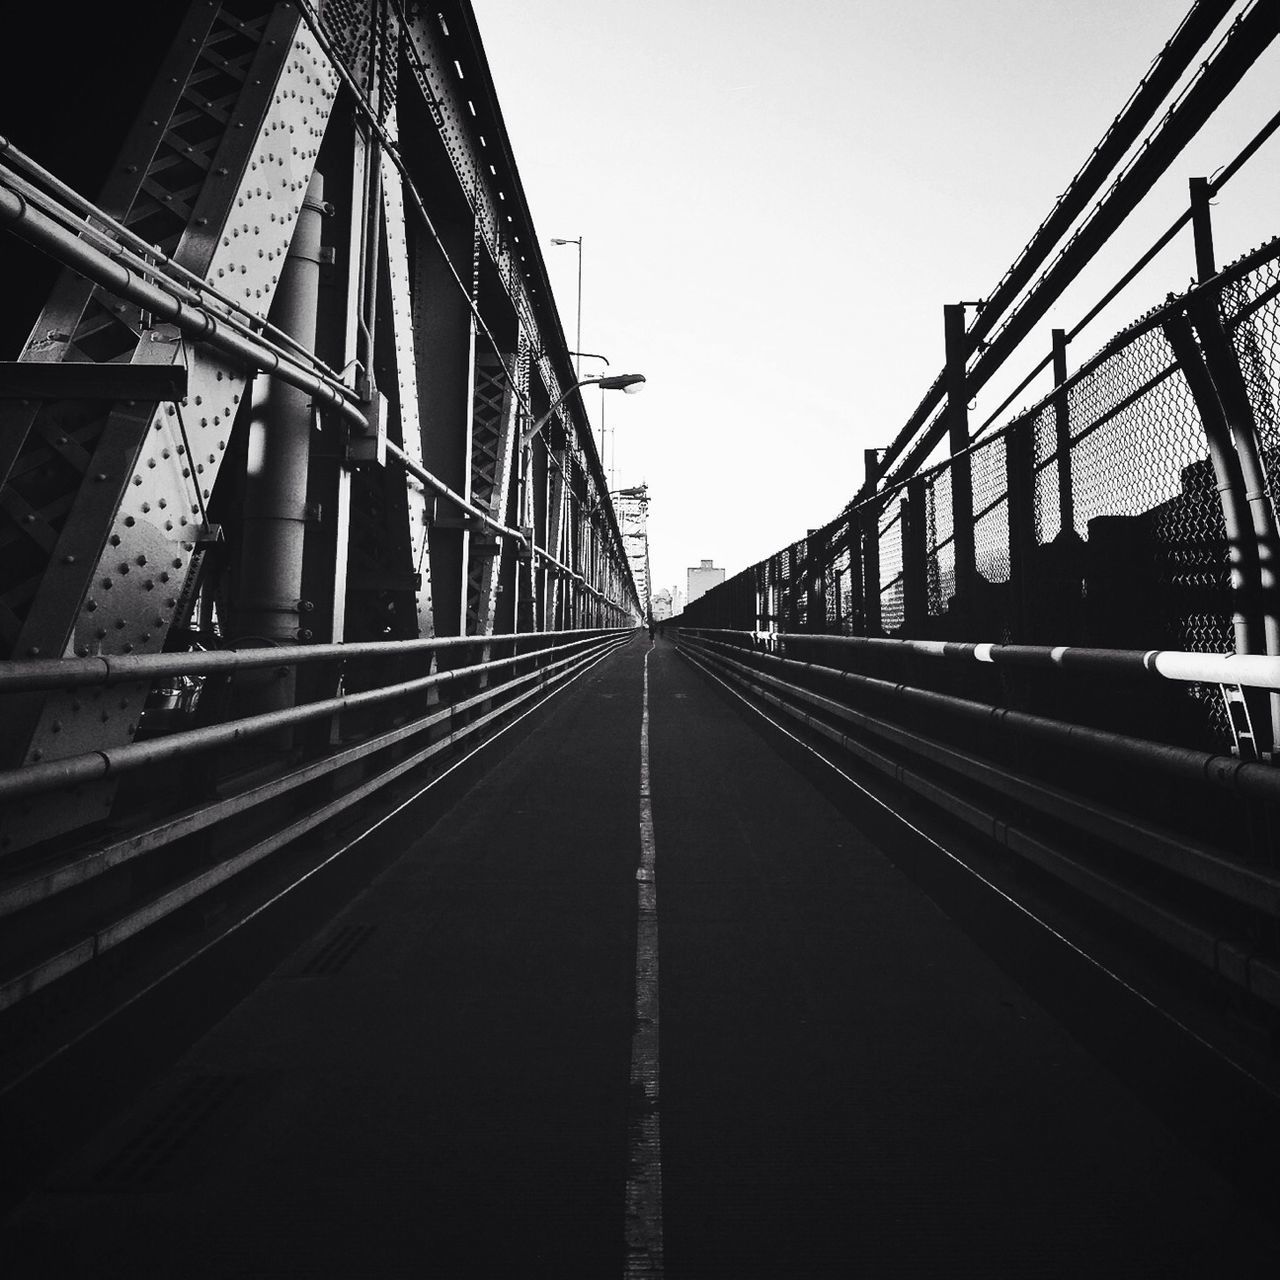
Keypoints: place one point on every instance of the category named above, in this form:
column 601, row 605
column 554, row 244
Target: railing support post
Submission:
column 915, row 593
column 870, row 516
column 961, row 468
column 1062, row 427
column 1202, row 228
column 1019, row 444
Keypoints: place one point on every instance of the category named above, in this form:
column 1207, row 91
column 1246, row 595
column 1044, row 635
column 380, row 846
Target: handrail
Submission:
column 112, row 668
column 90, row 766
column 1185, row 764
column 1251, row 670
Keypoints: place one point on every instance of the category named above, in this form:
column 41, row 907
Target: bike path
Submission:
column 438, row 1084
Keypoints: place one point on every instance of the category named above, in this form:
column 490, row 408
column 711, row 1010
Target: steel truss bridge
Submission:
column 338, row 772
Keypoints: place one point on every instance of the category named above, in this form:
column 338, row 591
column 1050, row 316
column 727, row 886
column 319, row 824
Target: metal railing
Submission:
column 1177, row 843
column 1096, row 517
column 65, row 907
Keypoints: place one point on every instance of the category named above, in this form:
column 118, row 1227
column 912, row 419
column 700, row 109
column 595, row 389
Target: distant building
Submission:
column 702, row 579
column 667, row 602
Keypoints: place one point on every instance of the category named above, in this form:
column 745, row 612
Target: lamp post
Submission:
column 628, row 382
column 577, row 365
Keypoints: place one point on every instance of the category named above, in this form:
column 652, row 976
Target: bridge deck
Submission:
column 438, row 1084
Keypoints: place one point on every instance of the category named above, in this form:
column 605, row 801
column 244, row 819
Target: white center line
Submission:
column 644, row 1145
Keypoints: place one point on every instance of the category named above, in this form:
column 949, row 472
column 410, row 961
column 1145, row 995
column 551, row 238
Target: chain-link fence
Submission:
column 1097, row 516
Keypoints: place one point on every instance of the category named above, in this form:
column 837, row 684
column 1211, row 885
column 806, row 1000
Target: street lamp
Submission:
column 628, row 382
column 577, row 367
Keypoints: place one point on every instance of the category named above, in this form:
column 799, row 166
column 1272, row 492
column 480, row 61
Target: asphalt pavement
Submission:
column 439, row 1082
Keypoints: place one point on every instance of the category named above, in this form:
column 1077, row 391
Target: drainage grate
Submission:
column 171, row 1131
column 334, row 954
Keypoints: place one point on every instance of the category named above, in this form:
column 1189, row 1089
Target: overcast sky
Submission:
column 776, row 200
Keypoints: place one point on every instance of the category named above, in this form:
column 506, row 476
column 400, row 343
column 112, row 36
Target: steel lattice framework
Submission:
column 277, row 395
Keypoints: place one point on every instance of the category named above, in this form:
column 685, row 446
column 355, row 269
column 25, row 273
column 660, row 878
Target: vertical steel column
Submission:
column 1062, row 427
column 526, row 570
column 816, row 584
column 961, row 467
column 274, row 516
column 1019, row 442
column 444, row 333
column 869, row 513
column 1202, row 228
column 915, row 595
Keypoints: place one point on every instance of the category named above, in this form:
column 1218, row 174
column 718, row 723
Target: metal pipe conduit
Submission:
column 193, row 320
column 1224, row 772
column 87, row 948
column 1254, row 670
column 420, row 472
column 67, row 673
column 92, row 765
column 1204, row 943
column 222, row 332
column 439, row 486
column 144, row 254
column 1246, row 884
column 48, row 879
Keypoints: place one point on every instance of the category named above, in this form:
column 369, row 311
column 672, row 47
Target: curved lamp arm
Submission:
column 608, row 382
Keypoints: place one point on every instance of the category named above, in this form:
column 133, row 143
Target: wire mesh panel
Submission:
column 940, row 550
column 1132, row 433
column 991, row 511
column 892, row 609
column 1119, row 541
column 1144, row 486
column 1045, row 464
column 839, row 591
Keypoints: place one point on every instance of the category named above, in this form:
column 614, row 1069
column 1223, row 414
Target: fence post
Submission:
column 1062, row 425
column 870, row 517
column 915, row 593
column 1019, row 443
column 961, row 467
column 1202, row 228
